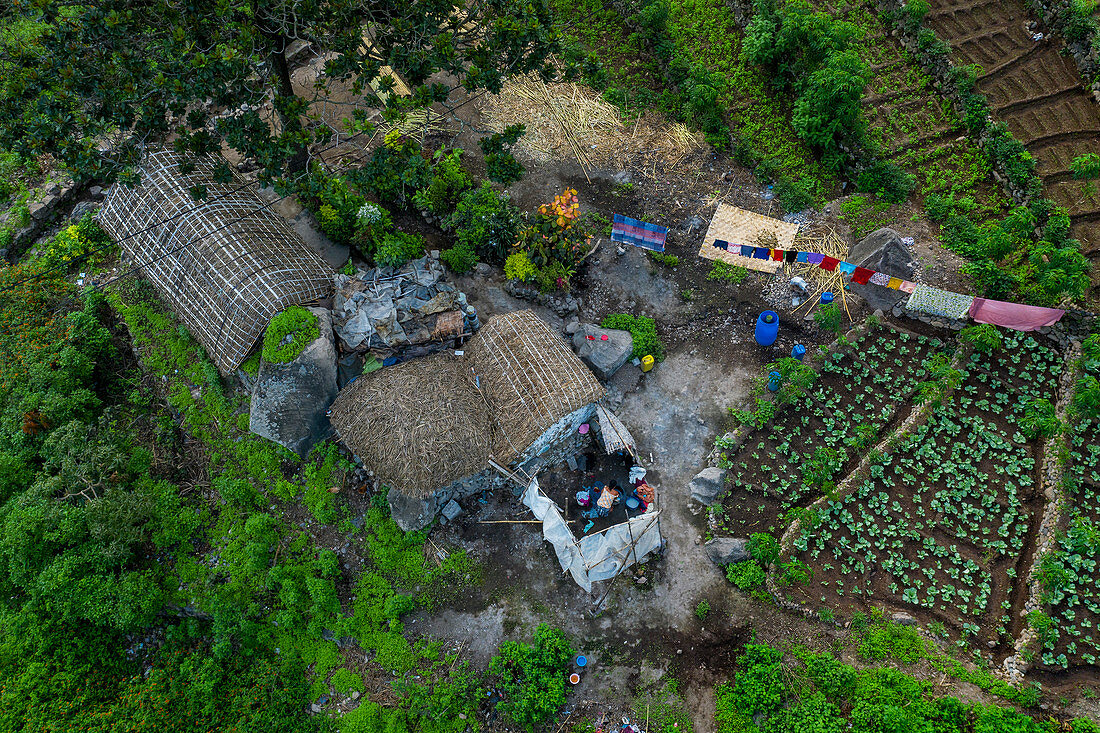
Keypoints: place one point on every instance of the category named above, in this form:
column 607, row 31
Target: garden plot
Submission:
column 906, row 117
column 1035, row 90
column 860, row 392
column 943, row 527
column 1070, row 635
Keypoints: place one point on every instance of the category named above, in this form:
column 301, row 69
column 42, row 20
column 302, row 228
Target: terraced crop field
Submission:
column 912, row 126
column 941, row 524
column 944, row 526
column 1071, row 575
column 1036, row 91
column 860, row 393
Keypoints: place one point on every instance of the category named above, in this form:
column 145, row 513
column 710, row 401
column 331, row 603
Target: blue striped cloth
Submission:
column 638, row 233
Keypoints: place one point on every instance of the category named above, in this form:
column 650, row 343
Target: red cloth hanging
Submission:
column 1016, row 316
column 862, row 275
column 828, row 263
column 777, row 255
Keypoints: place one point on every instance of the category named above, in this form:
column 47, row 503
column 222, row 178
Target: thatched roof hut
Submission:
column 225, row 265
column 426, row 423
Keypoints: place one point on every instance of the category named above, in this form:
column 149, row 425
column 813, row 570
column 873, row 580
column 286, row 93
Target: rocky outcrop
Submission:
column 290, row 401
column 727, row 550
column 604, row 350
column 882, row 251
column 707, row 485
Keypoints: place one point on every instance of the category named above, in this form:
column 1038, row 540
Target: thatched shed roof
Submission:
column 224, row 265
column 428, row 422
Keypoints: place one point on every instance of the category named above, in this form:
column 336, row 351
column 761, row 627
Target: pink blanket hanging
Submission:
column 1014, row 315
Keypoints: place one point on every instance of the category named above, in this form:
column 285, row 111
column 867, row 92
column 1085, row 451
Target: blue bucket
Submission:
column 581, row 660
column 632, row 502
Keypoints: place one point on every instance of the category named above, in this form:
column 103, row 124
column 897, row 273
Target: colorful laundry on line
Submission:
column 638, row 233
column 894, row 283
column 814, row 258
column 777, row 254
column 846, row 267
column 906, row 286
column 760, row 253
column 938, row 302
column 790, row 255
column 722, row 244
column 862, row 275
column 746, row 250
column 802, row 257
column 828, row 263
column 879, row 278
column 1016, row 316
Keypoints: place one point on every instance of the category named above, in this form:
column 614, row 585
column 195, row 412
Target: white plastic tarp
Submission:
column 599, row 556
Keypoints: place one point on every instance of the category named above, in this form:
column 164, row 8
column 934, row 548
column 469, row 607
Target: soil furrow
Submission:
column 1035, row 90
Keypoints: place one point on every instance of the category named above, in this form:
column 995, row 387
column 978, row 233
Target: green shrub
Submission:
column 500, row 165
column 449, row 181
column 886, row 181
column 664, row 259
column 372, row 224
column 763, row 547
column 486, row 222
column 829, row 318
column 725, row 272
column 702, row 609
column 746, row 575
column 642, row 329
column 460, row 258
column 985, row 338
column 533, row 676
column 519, row 267
column 288, row 333
column 397, row 248
column 344, row 681
column 396, row 171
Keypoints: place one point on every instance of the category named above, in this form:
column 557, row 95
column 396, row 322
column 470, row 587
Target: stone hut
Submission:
column 428, row 428
column 225, row 264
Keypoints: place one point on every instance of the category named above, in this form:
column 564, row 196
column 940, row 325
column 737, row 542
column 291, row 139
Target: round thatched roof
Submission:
column 428, row 422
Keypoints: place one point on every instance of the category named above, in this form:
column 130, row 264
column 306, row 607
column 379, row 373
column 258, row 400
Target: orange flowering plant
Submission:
column 556, row 240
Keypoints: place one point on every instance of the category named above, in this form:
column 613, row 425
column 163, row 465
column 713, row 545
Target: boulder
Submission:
column 903, row 618
column 603, row 357
column 289, row 401
column 707, row 485
column 726, row 550
column 451, row 510
column 883, row 251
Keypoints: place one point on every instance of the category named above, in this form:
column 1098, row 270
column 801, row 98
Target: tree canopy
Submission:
column 104, row 80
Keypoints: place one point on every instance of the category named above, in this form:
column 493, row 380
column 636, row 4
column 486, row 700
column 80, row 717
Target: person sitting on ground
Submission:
column 607, row 498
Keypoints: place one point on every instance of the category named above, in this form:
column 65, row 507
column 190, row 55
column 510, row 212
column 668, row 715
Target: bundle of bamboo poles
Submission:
column 820, row 281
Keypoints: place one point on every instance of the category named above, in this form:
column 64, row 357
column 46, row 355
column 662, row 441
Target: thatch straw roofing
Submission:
column 428, row 422
column 224, row 265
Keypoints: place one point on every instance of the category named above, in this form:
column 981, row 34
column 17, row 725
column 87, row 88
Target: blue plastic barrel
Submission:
column 582, row 660
column 798, row 352
column 767, row 328
column 826, row 297
column 775, row 379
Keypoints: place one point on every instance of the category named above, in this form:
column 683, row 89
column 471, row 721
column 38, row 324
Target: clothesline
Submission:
column 922, row 298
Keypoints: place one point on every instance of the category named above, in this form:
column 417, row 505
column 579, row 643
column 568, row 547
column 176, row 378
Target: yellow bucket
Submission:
column 647, row 363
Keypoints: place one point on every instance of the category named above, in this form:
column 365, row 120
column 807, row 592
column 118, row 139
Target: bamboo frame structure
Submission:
column 225, row 265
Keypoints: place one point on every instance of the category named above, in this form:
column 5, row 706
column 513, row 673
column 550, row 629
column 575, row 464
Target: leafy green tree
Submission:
column 533, row 676
column 107, row 79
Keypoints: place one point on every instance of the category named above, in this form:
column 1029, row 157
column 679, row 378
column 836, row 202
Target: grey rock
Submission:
column 96, row 192
column 81, row 209
column 572, row 326
column 903, row 618
column 451, row 510
column 53, row 189
column 482, row 268
column 623, row 177
column 289, row 401
column 726, row 550
column 314, row 708
column 707, row 485
column 603, row 357
column 883, row 251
